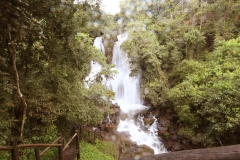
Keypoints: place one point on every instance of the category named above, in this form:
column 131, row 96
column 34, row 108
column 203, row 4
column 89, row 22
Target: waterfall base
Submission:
column 126, row 148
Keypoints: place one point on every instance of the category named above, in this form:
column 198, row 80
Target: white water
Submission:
column 127, row 90
column 98, row 43
column 95, row 66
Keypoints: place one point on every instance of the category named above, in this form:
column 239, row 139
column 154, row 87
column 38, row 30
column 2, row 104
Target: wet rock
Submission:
column 146, row 154
column 132, row 151
column 139, row 150
column 105, row 121
column 173, row 129
column 124, row 150
column 124, row 137
column 148, row 121
column 162, row 130
column 143, row 112
column 134, row 144
column 143, row 150
column 115, row 120
column 106, row 136
column 186, row 146
column 176, row 146
column 124, row 116
column 165, row 123
column 110, row 127
column 102, row 127
column 157, row 113
column 147, row 148
column 117, row 111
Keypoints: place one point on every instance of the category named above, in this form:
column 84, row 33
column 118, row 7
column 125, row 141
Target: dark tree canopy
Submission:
column 45, row 56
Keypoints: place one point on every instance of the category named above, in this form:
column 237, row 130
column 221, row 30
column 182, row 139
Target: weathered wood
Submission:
column 17, row 84
column 56, row 140
column 37, row 153
column 77, row 145
column 217, row 153
column 60, row 149
column 37, row 145
column 6, row 147
column 72, row 138
column 64, row 152
column 14, row 151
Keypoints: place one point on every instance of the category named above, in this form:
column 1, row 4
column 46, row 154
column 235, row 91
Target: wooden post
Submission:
column 77, row 144
column 37, row 154
column 14, row 151
column 60, row 149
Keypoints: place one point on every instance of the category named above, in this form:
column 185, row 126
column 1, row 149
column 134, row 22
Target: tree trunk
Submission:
column 217, row 153
column 23, row 101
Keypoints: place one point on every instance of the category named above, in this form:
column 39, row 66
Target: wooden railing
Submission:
column 59, row 142
column 14, row 148
column 89, row 132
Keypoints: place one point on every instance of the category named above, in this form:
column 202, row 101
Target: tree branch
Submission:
column 23, row 101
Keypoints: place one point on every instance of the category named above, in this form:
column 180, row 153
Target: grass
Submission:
column 102, row 150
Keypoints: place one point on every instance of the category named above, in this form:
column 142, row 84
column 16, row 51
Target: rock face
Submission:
column 132, row 150
column 126, row 148
column 148, row 121
column 216, row 153
column 123, row 116
column 167, row 131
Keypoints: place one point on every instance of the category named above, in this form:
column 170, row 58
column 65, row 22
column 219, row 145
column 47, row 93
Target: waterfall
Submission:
column 95, row 66
column 127, row 90
column 98, row 43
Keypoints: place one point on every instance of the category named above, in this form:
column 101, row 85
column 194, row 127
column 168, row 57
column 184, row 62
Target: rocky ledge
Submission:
column 167, row 131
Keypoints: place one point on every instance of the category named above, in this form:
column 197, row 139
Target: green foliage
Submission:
column 208, row 95
column 108, row 148
column 146, row 53
column 194, row 41
column 100, row 151
column 4, row 155
column 186, row 62
column 53, row 53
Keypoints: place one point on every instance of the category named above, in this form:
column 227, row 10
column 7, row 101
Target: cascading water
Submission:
column 98, row 43
column 127, row 90
column 95, row 66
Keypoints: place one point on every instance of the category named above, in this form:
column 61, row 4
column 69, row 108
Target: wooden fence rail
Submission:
column 63, row 150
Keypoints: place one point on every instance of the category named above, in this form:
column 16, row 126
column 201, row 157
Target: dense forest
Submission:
column 188, row 52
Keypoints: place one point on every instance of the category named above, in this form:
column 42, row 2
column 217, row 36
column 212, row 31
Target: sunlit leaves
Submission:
column 146, row 53
column 209, row 89
column 194, row 41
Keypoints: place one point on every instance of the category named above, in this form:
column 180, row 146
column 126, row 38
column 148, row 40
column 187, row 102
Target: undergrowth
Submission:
column 102, row 150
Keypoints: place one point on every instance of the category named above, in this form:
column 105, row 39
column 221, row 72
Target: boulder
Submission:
column 165, row 123
column 162, row 130
column 148, row 121
column 110, row 127
column 123, row 116
column 176, row 146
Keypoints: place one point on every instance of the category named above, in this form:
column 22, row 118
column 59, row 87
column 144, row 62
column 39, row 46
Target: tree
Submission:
column 173, row 42
column 46, row 53
column 207, row 97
